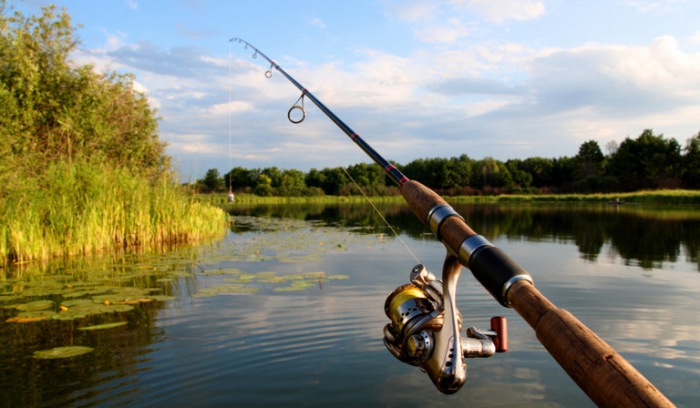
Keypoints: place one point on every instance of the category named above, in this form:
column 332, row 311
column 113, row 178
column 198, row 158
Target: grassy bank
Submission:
column 220, row 199
column 639, row 197
column 82, row 209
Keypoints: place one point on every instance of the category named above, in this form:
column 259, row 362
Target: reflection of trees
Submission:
column 650, row 242
column 31, row 382
column 26, row 382
column 642, row 235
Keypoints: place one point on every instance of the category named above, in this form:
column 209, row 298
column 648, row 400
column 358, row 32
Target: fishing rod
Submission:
column 425, row 323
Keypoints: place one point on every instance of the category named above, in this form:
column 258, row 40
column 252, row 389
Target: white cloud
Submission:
column 643, row 5
column 631, row 80
column 505, row 100
column 132, row 4
column 694, row 39
column 448, row 32
column 448, row 21
column 138, row 87
column 316, row 22
column 230, row 107
column 414, row 11
column 646, row 6
column 501, row 10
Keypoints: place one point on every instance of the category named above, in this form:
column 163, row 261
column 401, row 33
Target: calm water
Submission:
column 251, row 321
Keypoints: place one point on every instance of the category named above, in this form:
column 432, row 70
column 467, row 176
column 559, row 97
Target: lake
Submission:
column 288, row 310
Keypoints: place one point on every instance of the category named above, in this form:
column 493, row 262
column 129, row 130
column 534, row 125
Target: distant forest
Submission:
column 648, row 162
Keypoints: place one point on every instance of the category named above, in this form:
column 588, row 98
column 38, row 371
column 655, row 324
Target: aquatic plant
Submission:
column 88, row 208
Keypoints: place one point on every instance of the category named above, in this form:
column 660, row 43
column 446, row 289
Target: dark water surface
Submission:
column 251, row 321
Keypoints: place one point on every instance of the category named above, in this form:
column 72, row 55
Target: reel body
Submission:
column 425, row 326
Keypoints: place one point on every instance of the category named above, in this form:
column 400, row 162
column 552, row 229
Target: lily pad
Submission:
column 162, row 298
column 233, row 289
column 31, row 317
column 76, row 302
column 222, row 271
column 84, row 310
column 62, row 352
column 9, row 298
column 337, row 277
column 37, row 305
column 103, row 326
column 293, row 288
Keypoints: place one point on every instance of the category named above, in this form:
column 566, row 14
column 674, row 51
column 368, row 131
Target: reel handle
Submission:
column 425, row 328
column 485, row 343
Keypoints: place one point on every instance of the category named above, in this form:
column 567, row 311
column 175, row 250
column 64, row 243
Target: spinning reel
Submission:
column 425, row 328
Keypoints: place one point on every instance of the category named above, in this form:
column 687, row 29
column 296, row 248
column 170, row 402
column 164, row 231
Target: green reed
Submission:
column 77, row 209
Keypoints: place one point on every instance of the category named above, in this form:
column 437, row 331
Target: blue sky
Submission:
column 486, row 78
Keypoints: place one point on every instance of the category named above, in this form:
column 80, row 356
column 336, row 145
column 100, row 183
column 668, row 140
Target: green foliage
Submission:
column 53, row 110
column 589, row 161
column 650, row 161
column 240, row 178
column 81, row 169
column 292, row 183
column 212, row 181
column 331, row 181
column 91, row 208
column 691, row 162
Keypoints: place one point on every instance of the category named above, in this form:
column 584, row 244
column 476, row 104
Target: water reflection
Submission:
column 644, row 236
column 630, row 274
column 26, row 381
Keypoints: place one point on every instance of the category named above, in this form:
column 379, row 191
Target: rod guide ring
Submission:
column 303, row 114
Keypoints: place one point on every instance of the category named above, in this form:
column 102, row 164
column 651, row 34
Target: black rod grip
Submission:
column 496, row 271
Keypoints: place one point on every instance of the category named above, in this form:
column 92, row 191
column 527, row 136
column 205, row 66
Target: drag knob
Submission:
column 419, row 346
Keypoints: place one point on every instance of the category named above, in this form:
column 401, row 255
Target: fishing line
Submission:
column 375, row 208
column 230, row 62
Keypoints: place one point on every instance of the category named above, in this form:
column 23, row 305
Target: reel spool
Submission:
column 416, row 334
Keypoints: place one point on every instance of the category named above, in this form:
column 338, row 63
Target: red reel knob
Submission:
column 500, row 326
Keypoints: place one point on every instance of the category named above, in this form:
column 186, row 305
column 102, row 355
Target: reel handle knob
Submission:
column 499, row 325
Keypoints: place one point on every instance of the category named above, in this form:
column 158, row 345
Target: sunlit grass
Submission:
column 83, row 209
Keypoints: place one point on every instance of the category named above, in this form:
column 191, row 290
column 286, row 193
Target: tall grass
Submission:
column 85, row 208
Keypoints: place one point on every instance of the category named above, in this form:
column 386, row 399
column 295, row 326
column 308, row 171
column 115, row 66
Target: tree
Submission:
column 240, row 178
column 212, row 180
column 521, row 178
column 589, row 160
column 691, row 162
column 367, row 174
column 330, row 180
column 541, row 170
column 274, row 174
column 264, row 186
column 462, row 169
column 56, row 111
column 650, row 161
column 292, row 183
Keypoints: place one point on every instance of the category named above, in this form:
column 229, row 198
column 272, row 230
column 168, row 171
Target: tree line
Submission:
column 649, row 161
